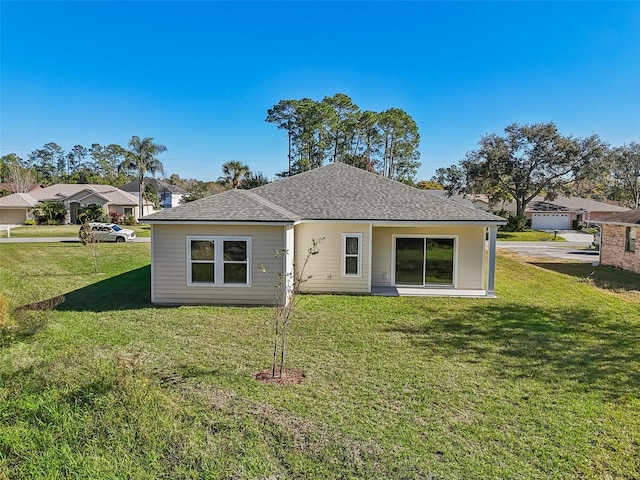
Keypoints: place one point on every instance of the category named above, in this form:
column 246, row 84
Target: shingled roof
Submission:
column 62, row 191
column 334, row 192
column 17, row 200
column 631, row 217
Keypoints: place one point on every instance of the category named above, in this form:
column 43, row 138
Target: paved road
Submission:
column 572, row 251
column 59, row 239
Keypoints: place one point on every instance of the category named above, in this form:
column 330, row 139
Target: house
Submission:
column 9, row 188
column 619, row 240
column 379, row 237
column 18, row 207
column 169, row 195
column 561, row 213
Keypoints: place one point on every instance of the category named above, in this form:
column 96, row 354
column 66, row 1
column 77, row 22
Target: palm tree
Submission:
column 234, row 172
column 141, row 158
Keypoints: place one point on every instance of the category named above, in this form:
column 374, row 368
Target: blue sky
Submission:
column 200, row 76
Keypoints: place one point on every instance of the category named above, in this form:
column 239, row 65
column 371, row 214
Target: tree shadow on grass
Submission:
column 546, row 344
column 602, row 276
column 127, row 291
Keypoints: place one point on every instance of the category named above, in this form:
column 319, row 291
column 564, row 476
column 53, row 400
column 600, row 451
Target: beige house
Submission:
column 561, row 213
column 379, row 237
column 18, row 207
column 619, row 241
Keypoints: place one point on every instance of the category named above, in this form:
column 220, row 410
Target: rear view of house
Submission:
column 379, row 237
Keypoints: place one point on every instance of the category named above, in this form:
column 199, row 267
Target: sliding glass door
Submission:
column 423, row 261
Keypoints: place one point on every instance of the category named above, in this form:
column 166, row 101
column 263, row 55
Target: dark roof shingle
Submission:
column 334, row 192
column 631, row 217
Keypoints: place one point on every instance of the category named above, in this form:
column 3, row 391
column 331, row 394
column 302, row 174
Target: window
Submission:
column 127, row 211
column 351, row 254
column 218, row 260
column 630, row 239
column 422, row 261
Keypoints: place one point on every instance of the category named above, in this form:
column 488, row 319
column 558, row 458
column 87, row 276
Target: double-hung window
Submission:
column 351, row 254
column 218, row 260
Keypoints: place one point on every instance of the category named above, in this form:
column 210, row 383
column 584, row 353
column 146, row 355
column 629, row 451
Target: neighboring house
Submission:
column 379, row 237
column 619, row 240
column 10, row 188
column 169, row 195
column 562, row 213
column 16, row 208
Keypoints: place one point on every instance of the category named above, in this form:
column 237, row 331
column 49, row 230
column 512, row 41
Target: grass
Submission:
column 529, row 236
column 540, row 383
column 41, row 231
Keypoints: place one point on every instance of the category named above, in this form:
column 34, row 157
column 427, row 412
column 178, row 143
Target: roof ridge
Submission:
column 269, row 204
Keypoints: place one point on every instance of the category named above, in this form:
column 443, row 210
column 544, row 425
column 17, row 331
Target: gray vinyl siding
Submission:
column 170, row 265
column 470, row 261
column 325, row 268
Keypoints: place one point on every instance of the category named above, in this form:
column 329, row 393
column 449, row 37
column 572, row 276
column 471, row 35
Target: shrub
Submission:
column 92, row 213
column 516, row 223
column 115, row 217
column 29, row 221
column 48, row 211
column 129, row 220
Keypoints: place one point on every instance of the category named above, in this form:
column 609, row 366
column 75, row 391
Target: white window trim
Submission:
column 343, row 268
column 426, row 236
column 219, row 264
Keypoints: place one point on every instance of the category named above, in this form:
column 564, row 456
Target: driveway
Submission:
column 575, row 249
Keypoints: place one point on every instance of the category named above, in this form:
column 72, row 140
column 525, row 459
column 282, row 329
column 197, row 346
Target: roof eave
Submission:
column 215, row 222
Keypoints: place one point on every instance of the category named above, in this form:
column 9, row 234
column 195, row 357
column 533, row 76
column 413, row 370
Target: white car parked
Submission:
column 110, row 232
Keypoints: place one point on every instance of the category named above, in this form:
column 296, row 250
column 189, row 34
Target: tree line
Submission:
column 98, row 164
column 524, row 162
column 115, row 165
column 337, row 130
column 536, row 159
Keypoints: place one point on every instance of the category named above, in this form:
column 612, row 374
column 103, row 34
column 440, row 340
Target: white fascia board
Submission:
column 439, row 223
column 411, row 223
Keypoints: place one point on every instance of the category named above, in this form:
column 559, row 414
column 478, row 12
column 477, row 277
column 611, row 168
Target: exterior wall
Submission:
column 74, row 205
column 170, row 200
column 120, row 209
column 169, row 265
column 470, row 248
column 612, row 248
column 13, row 216
column 325, row 268
column 84, row 198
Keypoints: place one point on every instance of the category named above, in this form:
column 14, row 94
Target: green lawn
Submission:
column 40, row 231
column 529, row 236
column 541, row 383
